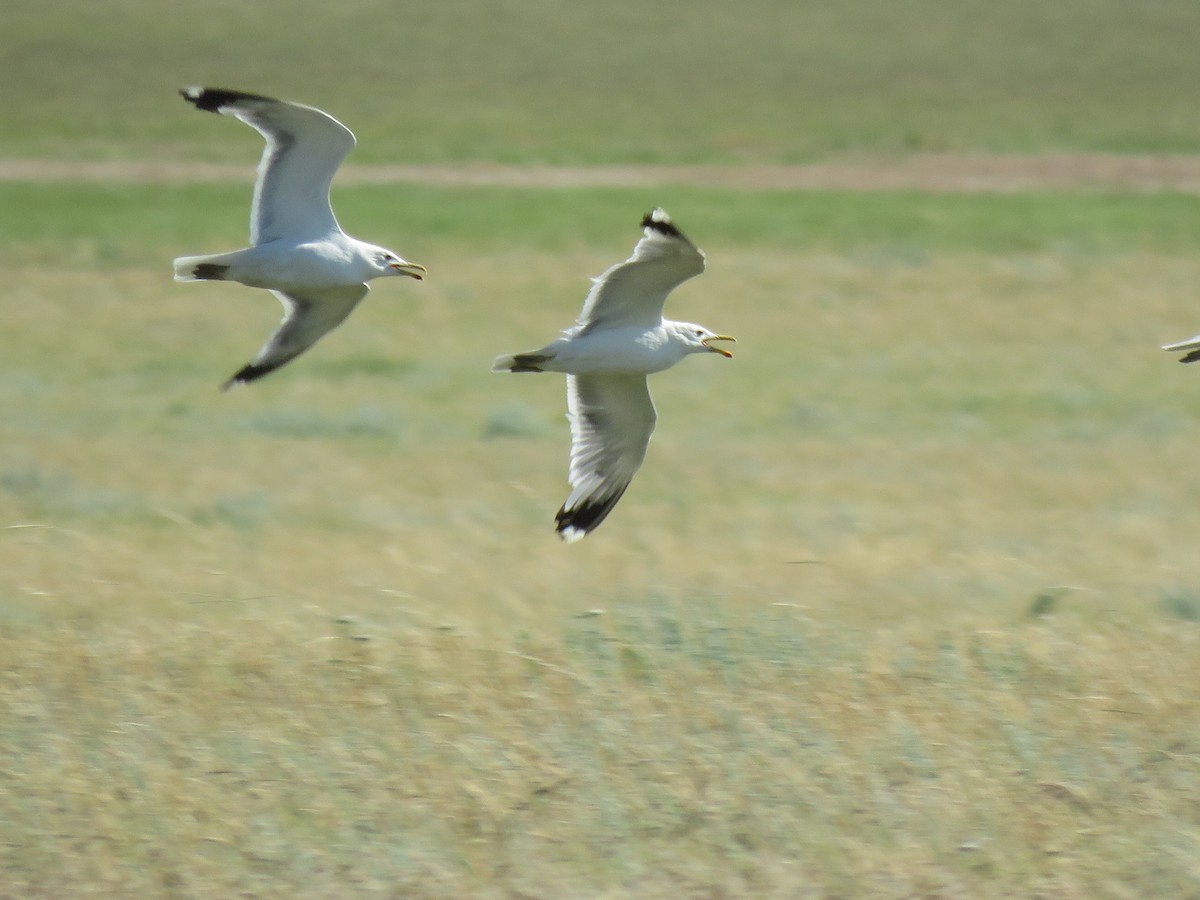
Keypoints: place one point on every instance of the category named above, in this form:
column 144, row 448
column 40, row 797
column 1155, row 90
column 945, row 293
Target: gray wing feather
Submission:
column 304, row 148
column 635, row 291
column 307, row 318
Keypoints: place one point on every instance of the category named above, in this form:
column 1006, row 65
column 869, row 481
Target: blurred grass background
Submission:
column 620, row 81
column 904, row 602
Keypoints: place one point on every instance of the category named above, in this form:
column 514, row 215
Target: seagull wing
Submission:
column 307, row 317
column 1192, row 345
column 634, row 292
column 304, row 149
column 612, row 418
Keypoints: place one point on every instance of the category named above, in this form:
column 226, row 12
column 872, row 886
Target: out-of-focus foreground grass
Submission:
column 904, row 601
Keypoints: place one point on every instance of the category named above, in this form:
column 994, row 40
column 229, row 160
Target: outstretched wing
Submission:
column 1192, row 345
column 634, row 292
column 307, row 317
column 304, row 149
column 612, row 418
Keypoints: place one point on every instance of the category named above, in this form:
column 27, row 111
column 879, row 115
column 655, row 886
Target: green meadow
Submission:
column 905, row 601
column 615, row 81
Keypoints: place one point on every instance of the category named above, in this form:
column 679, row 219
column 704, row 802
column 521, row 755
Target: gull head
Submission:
column 385, row 262
column 698, row 339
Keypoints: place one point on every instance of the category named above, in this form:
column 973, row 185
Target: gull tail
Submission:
column 522, row 362
column 213, row 267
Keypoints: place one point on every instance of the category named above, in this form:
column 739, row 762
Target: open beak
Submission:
column 412, row 270
column 720, row 337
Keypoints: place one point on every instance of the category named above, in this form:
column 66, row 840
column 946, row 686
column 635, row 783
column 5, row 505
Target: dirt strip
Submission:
column 953, row 173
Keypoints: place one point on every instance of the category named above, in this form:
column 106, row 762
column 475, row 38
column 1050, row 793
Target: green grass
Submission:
column 903, row 602
column 619, row 80
column 345, row 758
column 122, row 225
column 316, row 636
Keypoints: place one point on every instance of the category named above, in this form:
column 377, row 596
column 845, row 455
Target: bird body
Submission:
column 288, row 265
column 630, row 349
column 619, row 339
column 297, row 249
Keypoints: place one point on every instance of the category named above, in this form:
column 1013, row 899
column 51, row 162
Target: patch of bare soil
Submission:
column 946, row 173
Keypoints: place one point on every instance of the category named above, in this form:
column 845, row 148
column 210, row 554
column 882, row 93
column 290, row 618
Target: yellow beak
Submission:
column 412, row 270
column 720, row 337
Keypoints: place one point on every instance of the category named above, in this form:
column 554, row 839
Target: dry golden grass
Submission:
column 902, row 604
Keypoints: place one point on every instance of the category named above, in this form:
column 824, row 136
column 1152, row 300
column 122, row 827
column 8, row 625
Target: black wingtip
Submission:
column 572, row 524
column 247, row 374
column 212, row 99
column 1191, row 357
column 658, row 220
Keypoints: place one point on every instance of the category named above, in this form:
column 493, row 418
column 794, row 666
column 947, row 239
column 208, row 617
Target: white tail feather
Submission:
column 185, row 266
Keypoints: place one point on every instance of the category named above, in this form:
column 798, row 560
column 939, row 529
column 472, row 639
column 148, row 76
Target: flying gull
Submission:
column 297, row 250
column 620, row 338
column 1192, row 345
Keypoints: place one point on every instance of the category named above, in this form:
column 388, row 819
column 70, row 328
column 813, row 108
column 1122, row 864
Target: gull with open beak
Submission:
column 619, row 339
column 298, row 251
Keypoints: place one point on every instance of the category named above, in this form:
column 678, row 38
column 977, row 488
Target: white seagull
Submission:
column 297, row 250
column 620, row 338
column 1192, row 345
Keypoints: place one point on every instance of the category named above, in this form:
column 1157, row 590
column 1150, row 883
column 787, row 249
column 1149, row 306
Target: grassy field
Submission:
column 904, row 603
column 609, row 80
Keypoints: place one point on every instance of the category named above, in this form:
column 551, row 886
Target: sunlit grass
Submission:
column 902, row 602
column 671, row 741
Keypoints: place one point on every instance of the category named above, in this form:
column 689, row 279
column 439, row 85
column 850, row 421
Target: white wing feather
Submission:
column 307, row 318
column 612, row 418
column 635, row 291
column 304, row 148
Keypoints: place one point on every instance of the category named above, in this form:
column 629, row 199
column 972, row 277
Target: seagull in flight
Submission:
column 297, row 250
column 619, row 339
column 1192, row 345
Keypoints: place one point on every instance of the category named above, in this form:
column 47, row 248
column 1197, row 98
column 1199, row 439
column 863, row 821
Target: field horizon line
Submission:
column 923, row 172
